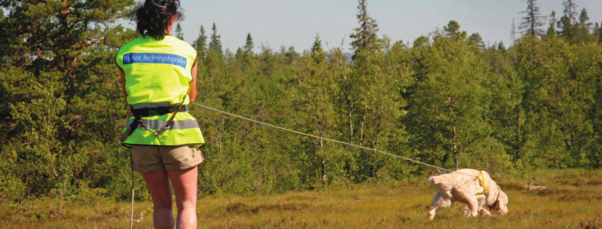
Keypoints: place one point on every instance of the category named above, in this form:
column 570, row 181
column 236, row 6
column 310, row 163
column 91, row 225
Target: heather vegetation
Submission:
column 446, row 99
column 556, row 199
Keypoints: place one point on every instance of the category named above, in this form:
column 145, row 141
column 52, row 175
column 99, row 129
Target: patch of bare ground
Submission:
column 302, row 198
column 242, row 208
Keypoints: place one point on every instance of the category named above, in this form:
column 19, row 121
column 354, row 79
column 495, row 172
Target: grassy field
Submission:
column 554, row 199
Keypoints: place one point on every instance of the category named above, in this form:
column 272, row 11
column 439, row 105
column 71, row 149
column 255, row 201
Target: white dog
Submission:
column 471, row 187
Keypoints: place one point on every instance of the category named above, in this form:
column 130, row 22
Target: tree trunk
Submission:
column 455, row 136
column 518, row 144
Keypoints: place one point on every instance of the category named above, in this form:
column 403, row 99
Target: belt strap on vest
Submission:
column 145, row 112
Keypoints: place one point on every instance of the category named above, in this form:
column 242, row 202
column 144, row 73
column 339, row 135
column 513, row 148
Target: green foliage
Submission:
column 560, row 85
column 63, row 106
column 449, row 103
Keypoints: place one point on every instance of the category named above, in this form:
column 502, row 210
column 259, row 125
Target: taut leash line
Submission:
column 323, row 138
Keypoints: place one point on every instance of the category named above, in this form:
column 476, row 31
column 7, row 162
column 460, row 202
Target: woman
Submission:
column 158, row 74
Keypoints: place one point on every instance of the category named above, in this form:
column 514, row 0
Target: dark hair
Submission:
column 153, row 17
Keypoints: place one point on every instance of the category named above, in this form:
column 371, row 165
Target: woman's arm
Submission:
column 192, row 87
column 125, row 93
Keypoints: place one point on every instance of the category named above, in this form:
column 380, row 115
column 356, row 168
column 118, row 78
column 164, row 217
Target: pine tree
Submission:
column 551, row 32
column 567, row 23
column 452, row 30
column 215, row 45
column 247, row 54
column 291, row 55
column 597, row 33
column 364, row 37
column 249, row 44
column 179, row 33
column 317, row 53
column 513, row 32
column 477, row 40
column 200, row 44
column 532, row 21
column 584, row 28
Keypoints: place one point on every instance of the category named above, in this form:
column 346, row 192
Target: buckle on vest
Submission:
column 159, row 131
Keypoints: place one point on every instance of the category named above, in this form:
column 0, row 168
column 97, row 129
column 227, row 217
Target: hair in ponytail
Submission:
column 154, row 15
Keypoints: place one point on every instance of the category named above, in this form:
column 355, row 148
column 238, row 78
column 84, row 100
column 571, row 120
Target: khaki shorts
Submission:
column 151, row 158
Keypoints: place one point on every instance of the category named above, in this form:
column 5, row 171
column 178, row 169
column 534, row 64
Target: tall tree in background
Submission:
column 584, row 27
column 313, row 86
column 317, row 53
column 179, row 33
column 551, row 32
column 477, row 40
column 567, row 23
column 447, row 107
column 364, row 43
column 364, row 37
column 215, row 45
column 200, row 44
column 513, row 32
column 247, row 54
column 249, row 44
column 532, row 21
column 597, row 33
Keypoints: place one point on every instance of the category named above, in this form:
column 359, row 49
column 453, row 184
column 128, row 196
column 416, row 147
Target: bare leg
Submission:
column 158, row 183
column 185, row 186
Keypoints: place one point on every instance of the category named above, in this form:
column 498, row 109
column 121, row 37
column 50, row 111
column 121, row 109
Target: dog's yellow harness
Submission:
column 482, row 183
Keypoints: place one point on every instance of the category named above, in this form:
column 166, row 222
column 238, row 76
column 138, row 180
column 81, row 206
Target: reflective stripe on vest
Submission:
column 157, row 124
column 184, row 131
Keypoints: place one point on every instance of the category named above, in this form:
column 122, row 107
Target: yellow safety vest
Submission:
column 158, row 74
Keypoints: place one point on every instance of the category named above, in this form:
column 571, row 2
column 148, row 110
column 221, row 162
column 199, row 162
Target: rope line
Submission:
column 323, row 138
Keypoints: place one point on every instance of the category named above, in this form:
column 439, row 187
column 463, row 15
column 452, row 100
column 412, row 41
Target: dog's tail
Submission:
column 439, row 179
column 434, row 180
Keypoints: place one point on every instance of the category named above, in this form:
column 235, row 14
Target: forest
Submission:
column 445, row 99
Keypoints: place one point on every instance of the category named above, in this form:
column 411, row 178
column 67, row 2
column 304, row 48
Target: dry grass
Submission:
column 562, row 199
